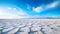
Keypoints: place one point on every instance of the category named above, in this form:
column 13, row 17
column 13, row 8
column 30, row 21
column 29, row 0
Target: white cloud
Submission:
column 12, row 13
column 1, row 12
column 42, row 8
column 52, row 5
column 9, row 8
column 38, row 9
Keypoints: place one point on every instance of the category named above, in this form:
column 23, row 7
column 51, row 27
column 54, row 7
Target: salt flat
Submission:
column 29, row 26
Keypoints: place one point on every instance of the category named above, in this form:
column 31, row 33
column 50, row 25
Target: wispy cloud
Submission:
column 12, row 13
column 38, row 9
column 52, row 5
column 42, row 8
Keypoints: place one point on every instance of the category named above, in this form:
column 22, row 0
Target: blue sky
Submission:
column 29, row 8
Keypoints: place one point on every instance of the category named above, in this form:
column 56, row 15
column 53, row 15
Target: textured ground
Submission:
column 29, row 26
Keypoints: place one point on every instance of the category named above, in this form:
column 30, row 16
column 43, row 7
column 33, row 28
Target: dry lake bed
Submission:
column 29, row 26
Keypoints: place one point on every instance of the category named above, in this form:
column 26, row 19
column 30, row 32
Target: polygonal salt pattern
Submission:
column 29, row 26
